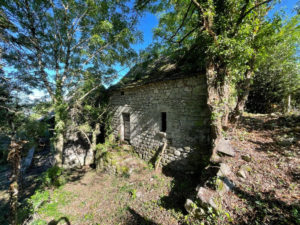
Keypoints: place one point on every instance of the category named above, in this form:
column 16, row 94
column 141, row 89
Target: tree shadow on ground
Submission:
column 4, row 178
column 32, row 181
column 56, row 222
column 184, row 184
column 136, row 219
column 4, row 212
column 267, row 209
column 285, row 138
column 267, row 122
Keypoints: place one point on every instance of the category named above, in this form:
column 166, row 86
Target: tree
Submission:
column 275, row 50
column 89, row 112
column 276, row 78
column 54, row 43
column 220, row 33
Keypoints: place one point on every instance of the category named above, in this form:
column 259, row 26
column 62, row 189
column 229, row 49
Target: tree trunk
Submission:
column 59, row 147
column 243, row 89
column 14, row 157
column 243, row 93
column 217, row 96
column 289, row 103
column 226, row 110
column 96, row 132
column 60, row 110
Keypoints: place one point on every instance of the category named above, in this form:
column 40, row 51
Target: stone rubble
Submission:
column 226, row 148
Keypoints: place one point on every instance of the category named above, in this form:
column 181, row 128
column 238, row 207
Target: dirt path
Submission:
column 104, row 198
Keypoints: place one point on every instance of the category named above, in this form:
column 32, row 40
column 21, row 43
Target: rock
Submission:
column 28, row 160
column 193, row 209
column 177, row 153
column 216, row 159
column 230, row 185
column 187, row 149
column 180, row 149
column 127, row 147
column 247, row 158
column 139, row 194
column 206, row 197
column 162, row 134
column 241, row 173
column 190, row 206
column 224, row 170
column 286, row 142
column 296, row 129
column 225, row 147
column 246, row 168
column 130, row 171
column 224, row 185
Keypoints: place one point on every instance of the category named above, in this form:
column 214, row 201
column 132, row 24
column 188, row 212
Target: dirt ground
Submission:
column 268, row 194
column 103, row 198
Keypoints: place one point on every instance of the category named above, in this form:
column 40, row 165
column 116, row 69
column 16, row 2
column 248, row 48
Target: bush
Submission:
column 54, row 177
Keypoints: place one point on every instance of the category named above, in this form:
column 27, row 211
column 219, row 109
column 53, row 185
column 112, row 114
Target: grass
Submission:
column 102, row 198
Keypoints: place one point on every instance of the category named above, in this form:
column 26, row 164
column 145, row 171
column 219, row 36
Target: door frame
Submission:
column 123, row 126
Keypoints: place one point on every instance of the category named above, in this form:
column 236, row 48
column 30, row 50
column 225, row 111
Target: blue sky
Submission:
column 149, row 21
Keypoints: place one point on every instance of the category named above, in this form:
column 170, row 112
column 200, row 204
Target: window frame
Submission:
column 163, row 121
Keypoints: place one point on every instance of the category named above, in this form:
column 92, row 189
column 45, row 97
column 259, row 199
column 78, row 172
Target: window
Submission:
column 122, row 92
column 163, row 121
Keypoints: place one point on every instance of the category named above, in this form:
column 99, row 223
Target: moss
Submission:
column 122, row 170
column 219, row 185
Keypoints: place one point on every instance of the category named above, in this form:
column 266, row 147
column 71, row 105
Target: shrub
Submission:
column 54, row 177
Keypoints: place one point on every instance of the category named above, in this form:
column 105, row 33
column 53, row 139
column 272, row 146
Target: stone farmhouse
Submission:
column 162, row 101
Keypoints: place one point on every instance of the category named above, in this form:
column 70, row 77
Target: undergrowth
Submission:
column 47, row 198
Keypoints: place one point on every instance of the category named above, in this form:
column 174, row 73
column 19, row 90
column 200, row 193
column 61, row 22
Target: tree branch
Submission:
column 78, row 19
column 38, row 51
column 182, row 23
column 97, row 51
column 85, row 135
column 90, row 91
column 243, row 15
column 188, row 34
column 140, row 6
column 80, row 43
column 198, row 5
column 206, row 21
column 10, row 110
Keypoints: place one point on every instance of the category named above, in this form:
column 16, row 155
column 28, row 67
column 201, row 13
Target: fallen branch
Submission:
column 161, row 154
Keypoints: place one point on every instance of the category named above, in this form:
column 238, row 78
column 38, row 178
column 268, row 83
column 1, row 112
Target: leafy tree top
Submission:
column 52, row 44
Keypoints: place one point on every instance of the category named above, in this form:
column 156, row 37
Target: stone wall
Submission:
column 187, row 133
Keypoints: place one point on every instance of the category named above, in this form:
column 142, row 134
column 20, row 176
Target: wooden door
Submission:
column 126, row 121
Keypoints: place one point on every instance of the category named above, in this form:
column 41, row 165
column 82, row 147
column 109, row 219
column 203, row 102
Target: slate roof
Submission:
column 161, row 69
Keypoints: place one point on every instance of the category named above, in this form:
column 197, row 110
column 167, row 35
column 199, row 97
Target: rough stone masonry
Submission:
column 173, row 110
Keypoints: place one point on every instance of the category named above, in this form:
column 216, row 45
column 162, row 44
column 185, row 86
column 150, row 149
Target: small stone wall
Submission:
column 76, row 151
column 187, row 133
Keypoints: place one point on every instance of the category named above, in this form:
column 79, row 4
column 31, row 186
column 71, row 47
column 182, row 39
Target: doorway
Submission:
column 126, row 124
